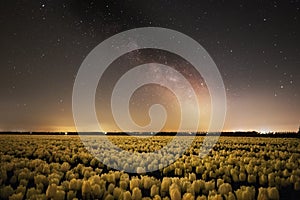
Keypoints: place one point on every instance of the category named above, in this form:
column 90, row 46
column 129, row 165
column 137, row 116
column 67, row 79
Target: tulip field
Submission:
column 60, row 167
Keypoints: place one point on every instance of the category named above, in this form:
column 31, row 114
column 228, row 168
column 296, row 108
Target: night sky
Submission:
column 255, row 44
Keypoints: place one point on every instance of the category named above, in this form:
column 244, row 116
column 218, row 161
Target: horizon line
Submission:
column 226, row 131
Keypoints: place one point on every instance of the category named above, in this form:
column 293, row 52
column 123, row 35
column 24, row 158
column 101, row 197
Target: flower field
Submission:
column 60, row 167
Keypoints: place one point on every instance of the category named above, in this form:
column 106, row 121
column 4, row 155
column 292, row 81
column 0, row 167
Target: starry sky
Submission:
column 255, row 45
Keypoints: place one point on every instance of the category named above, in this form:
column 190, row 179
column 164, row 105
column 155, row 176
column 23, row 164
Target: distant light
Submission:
column 66, row 133
column 264, row 131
